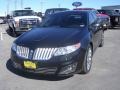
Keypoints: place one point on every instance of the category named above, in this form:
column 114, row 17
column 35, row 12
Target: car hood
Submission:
column 26, row 17
column 51, row 37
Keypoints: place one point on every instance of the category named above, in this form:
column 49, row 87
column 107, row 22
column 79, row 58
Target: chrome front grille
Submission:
column 26, row 23
column 43, row 53
column 23, row 51
column 38, row 54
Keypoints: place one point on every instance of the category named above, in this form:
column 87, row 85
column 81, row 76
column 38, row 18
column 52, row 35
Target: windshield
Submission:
column 23, row 13
column 65, row 20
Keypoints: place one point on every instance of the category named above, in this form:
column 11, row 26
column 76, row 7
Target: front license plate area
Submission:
column 29, row 65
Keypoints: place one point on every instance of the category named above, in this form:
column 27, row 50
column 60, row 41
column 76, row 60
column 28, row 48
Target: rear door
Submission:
column 94, row 27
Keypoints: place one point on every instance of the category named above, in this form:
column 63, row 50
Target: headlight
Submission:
column 67, row 49
column 14, row 47
column 17, row 23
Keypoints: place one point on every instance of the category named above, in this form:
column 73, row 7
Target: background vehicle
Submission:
column 105, row 19
column 63, row 45
column 1, row 21
column 114, row 17
column 22, row 20
column 54, row 10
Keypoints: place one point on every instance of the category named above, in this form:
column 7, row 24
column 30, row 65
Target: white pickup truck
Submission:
column 21, row 21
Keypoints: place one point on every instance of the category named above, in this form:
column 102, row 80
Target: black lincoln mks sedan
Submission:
column 62, row 45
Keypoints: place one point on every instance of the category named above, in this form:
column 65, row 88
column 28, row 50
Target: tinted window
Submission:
column 65, row 20
column 92, row 18
column 48, row 12
column 23, row 13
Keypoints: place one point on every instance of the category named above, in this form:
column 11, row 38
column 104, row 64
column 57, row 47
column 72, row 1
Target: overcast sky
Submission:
column 36, row 5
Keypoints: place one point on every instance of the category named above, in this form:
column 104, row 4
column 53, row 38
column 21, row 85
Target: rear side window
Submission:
column 92, row 18
column 48, row 12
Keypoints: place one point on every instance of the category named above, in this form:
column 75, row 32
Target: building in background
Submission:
column 115, row 7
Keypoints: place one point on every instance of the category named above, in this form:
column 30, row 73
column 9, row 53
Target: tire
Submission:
column 14, row 32
column 10, row 28
column 87, row 63
column 102, row 40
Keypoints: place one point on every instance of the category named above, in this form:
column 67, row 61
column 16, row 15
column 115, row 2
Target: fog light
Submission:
column 16, row 65
column 68, row 69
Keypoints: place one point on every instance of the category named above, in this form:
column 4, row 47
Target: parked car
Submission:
column 114, row 17
column 105, row 19
column 21, row 21
column 1, row 21
column 62, row 45
column 54, row 10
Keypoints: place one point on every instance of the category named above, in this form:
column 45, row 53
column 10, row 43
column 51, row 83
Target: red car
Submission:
column 105, row 19
column 114, row 17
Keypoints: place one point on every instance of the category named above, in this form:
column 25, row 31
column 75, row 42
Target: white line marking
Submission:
column 1, row 36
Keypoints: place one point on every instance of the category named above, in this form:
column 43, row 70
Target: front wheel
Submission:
column 86, row 67
column 14, row 32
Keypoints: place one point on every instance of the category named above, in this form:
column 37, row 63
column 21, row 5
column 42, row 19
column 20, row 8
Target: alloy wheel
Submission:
column 89, row 59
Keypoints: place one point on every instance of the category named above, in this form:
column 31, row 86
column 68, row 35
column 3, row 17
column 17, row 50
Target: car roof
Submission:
column 74, row 11
column 104, row 10
column 57, row 8
column 84, row 9
column 24, row 10
column 87, row 9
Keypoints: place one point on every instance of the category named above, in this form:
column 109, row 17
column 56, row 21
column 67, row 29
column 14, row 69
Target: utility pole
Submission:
column 21, row 4
column 41, row 4
column 8, row 6
column 59, row 5
column 15, row 4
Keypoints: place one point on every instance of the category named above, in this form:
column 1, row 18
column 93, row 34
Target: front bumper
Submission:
column 60, row 65
column 25, row 25
column 19, row 30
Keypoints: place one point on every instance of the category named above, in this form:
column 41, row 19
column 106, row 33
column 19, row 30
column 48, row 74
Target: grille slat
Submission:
column 42, row 53
column 45, row 53
column 25, row 52
column 50, row 53
column 22, row 51
column 37, row 53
